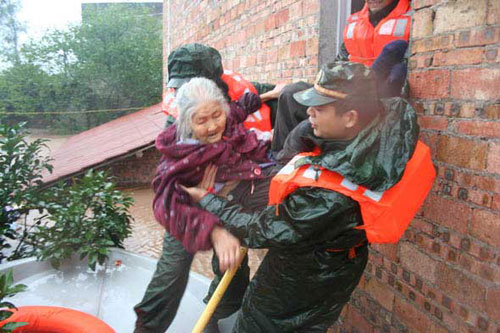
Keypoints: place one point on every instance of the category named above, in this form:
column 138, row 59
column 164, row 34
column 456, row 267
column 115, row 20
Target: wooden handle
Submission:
column 217, row 296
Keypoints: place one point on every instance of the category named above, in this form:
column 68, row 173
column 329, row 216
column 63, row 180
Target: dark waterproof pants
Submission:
column 300, row 291
column 289, row 114
column 159, row 305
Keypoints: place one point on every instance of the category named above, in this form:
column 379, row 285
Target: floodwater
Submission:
column 147, row 234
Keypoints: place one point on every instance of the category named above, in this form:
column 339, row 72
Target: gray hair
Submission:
column 198, row 90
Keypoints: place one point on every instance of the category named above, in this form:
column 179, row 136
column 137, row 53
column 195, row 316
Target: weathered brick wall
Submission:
column 135, row 170
column 265, row 40
column 445, row 275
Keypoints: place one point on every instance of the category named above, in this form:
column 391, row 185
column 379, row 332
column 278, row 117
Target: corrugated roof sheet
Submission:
column 107, row 141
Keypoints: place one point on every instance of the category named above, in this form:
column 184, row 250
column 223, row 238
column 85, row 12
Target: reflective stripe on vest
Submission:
column 364, row 43
column 260, row 119
column 387, row 214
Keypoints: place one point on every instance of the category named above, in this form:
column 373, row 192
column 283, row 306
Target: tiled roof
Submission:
column 107, row 141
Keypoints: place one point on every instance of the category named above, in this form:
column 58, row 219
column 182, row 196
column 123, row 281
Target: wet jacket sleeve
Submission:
column 262, row 87
column 245, row 105
column 307, row 216
column 296, row 142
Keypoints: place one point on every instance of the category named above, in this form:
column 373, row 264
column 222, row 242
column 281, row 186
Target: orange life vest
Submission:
column 56, row 319
column 168, row 105
column 365, row 42
column 386, row 215
column 260, row 119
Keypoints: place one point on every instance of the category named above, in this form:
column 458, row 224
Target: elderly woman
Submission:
column 208, row 134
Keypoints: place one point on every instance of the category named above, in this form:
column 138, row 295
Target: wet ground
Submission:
column 147, row 234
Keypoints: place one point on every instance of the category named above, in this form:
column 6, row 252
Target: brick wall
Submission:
column 445, row 275
column 265, row 40
column 135, row 170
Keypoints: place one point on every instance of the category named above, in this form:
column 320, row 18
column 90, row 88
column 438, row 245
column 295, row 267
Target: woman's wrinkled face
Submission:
column 209, row 122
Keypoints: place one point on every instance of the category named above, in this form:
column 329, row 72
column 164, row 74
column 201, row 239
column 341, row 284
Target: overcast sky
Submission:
column 40, row 15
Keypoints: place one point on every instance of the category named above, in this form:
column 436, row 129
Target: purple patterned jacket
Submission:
column 237, row 156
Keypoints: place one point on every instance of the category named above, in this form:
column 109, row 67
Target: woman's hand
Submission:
column 226, row 246
column 205, row 186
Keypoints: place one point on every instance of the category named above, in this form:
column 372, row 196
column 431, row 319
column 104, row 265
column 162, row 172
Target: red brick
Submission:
column 410, row 315
column 430, row 84
column 456, row 284
column 416, row 261
column 458, row 57
column 433, row 122
column 312, row 46
column 298, row 49
column 467, row 110
column 462, row 152
column 356, row 319
column 492, row 55
column 270, row 23
column 388, row 250
column 483, row 182
column 476, row 83
column 496, row 202
column 452, row 16
column 422, row 23
column 282, row 17
column 493, row 12
column 479, row 128
column 485, row 35
column 447, row 212
column 493, row 303
column 480, row 198
column 296, row 10
column 494, row 158
column 440, row 42
column 311, row 7
column 421, row 225
column 381, row 292
column 486, row 226
column 492, row 111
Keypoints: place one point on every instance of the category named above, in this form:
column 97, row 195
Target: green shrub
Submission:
column 8, row 290
column 84, row 218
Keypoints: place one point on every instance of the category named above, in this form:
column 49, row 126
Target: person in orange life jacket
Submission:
column 198, row 60
column 317, row 250
column 376, row 36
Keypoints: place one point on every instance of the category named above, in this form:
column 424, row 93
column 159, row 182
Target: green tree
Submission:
column 10, row 28
column 112, row 60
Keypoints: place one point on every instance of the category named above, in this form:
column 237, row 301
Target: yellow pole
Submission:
column 217, row 296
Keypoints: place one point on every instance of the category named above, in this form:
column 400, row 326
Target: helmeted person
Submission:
column 376, row 36
column 199, row 60
column 326, row 202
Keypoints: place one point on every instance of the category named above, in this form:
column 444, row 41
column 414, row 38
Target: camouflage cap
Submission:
column 340, row 80
column 193, row 60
